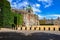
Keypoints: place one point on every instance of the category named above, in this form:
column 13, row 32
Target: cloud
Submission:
column 36, row 9
column 40, row 16
column 9, row 1
column 38, row 5
column 56, row 15
column 20, row 5
column 23, row 4
column 14, row 5
column 47, row 3
column 43, row 0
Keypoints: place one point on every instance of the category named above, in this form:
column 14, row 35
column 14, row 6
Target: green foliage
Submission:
column 7, row 16
column 42, row 21
column 19, row 18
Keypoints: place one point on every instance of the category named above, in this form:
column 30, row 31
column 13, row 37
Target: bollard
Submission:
column 21, row 28
column 44, row 28
column 34, row 28
column 54, row 29
column 25, row 28
column 30, row 28
column 59, row 29
column 39, row 28
column 49, row 28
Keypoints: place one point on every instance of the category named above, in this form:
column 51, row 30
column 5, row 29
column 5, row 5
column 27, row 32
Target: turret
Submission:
column 29, row 9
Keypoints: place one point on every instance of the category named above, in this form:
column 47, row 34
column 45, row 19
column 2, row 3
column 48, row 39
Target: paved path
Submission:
column 33, row 36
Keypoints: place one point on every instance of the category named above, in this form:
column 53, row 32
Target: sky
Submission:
column 50, row 9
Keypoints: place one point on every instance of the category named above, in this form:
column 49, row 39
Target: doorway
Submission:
column 15, row 20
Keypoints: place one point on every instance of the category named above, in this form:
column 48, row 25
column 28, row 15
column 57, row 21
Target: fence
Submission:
column 41, row 28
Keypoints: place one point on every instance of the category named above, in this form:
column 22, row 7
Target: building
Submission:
column 9, row 17
column 42, row 22
column 49, row 21
column 29, row 18
column 57, row 21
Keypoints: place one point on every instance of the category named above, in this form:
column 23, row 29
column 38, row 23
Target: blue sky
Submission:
column 43, row 8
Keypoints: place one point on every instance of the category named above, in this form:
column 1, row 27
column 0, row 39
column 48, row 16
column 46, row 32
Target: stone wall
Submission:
column 41, row 28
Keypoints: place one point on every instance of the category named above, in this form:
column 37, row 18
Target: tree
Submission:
column 19, row 18
column 7, row 16
column 42, row 22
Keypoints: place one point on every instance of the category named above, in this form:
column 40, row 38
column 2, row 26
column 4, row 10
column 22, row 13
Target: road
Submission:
column 8, row 34
column 33, row 36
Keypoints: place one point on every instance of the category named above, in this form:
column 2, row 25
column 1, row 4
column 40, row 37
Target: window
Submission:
column 29, row 11
column 15, row 20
